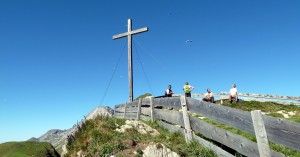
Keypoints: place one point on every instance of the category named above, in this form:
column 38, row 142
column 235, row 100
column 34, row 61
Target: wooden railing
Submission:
column 175, row 115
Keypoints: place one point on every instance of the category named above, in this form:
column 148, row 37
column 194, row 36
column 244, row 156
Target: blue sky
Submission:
column 57, row 57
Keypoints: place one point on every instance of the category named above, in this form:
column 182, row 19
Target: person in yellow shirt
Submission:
column 187, row 89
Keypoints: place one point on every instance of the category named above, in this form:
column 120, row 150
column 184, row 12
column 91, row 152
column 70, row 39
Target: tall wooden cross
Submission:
column 129, row 33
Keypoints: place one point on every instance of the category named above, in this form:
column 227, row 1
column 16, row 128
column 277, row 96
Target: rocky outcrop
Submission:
column 58, row 137
column 141, row 127
column 100, row 111
column 158, row 150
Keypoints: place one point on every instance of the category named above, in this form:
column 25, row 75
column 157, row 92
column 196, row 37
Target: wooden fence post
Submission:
column 152, row 109
column 186, row 120
column 115, row 111
column 221, row 100
column 125, row 105
column 139, row 109
column 260, row 133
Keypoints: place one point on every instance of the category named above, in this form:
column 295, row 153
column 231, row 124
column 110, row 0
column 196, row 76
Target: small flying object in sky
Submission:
column 189, row 42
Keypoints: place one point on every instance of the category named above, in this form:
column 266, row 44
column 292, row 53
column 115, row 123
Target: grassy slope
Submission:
column 98, row 138
column 268, row 107
column 27, row 149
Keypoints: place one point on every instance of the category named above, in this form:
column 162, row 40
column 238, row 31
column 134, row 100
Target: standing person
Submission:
column 169, row 92
column 187, row 89
column 233, row 94
column 209, row 97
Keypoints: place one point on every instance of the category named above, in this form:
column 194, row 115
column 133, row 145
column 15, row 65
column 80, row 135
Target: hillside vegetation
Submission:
column 99, row 138
column 143, row 96
column 27, row 149
column 269, row 108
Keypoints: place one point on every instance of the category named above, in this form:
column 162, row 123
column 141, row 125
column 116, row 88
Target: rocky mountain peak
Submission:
column 58, row 137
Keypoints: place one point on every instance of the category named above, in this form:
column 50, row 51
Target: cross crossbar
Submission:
column 137, row 31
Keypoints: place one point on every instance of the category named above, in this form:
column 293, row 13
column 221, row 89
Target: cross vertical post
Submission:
column 130, row 66
column 129, row 34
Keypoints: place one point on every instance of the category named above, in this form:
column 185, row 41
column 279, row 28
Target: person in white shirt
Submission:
column 187, row 89
column 209, row 97
column 233, row 94
column 169, row 92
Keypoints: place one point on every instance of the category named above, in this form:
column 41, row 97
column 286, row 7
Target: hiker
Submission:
column 169, row 92
column 187, row 89
column 208, row 97
column 233, row 94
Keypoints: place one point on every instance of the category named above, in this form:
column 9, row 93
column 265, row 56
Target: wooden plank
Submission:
column 145, row 118
column 141, row 30
column 130, row 116
column 223, row 114
column 279, row 130
column 186, row 119
column 119, row 115
column 120, row 109
column 171, row 127
column 132, row 104
column 125, row 107
column 169, row 116
column 283, row 132
column 120, row 35
column 260, row 133
column 146, row 101
column 151, row 109
column 139, row 109
column 146, row 111
column 170, row 102
column 131, row 109
column 119, row 105
column 219, row 151
column 144, row 29
column 114, row 110
column 236, row 142
column 269, row 96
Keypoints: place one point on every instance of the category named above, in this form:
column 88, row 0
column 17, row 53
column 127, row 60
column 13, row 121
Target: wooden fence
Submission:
column 175, row 114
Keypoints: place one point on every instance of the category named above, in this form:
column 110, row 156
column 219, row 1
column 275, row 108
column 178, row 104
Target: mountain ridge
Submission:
column 59, row 137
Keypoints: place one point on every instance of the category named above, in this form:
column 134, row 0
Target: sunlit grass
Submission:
column 99, row 138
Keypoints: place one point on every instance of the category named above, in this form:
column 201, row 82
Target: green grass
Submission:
column 270, row 108
column 176, row 142
column 274, row 114
column 294, row 119
column 99, row 138
column 27, row 149
column 143, row 96
column 263, row 106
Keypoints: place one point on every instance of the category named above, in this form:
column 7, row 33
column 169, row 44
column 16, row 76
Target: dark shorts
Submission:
column 188, row 95
column 233, row 98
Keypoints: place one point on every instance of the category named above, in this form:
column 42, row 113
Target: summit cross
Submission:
column 129, row 34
